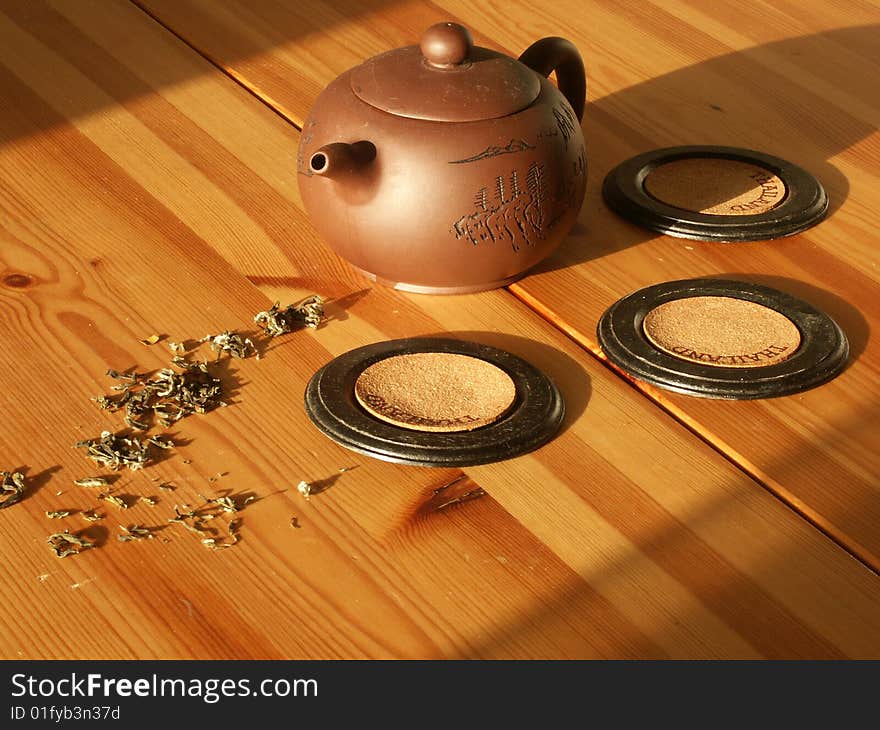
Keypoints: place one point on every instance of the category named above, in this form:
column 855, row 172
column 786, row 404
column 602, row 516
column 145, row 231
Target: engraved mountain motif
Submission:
column 518, row 216
column 515, row 145
column 513, row 214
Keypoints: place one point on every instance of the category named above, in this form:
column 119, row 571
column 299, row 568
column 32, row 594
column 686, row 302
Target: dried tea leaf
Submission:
column 149, row 500
column 137, row 425
column 128, row 379
column 466, row 497
column 213, row 544
column 151, row 340
column 168, row 396
column 304, row 488
column 92, row 482
column 167, row 487
column 182, row 517
column 134, row 532
column 115, row 452
column 178, row 394
column 277, row 321
column 114, row 500
column 232, row 343
column 12, row 486
column 161, row 443
column 228, row 504
column 64, row 544
column 113, row 403
column 92, row 516
column 274, row 321
column 178, row 348
column 311, row 311
column 57, row 514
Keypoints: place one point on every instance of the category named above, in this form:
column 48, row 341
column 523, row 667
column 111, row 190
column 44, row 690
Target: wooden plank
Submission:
column 132, row 205
column 791, row 80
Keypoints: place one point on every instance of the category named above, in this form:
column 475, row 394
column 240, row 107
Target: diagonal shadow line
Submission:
column 218, row 65
column 664, row 547
column 850, row 546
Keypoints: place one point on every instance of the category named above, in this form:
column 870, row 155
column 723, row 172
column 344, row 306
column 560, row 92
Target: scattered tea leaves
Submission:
column 169, row 396
column 183, row 518
column 92, row 516
column 149, row 500
column 277, row 321
column 12, row 487
column 57, row 514
column 228, row 504
column 134, row 532
column 190, row 389
column 92, row 482
column 151, row 340
column 232, row 343
column 115, row 452
column 178, row 348
column 64, row 544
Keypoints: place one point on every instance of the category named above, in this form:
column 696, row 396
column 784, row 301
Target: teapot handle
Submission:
column 560, row 55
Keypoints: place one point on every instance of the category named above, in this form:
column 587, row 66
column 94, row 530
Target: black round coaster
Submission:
column 821, row 355
column 534, row 418
column 804, row 204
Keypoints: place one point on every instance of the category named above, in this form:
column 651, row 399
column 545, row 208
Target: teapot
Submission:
column 447, row 168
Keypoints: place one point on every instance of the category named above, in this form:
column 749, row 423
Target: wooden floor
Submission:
column 148, row 185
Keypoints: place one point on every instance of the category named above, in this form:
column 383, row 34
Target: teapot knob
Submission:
column 446, row 44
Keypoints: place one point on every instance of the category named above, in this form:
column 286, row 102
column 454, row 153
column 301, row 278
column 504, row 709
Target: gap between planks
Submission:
column 855, row 551
column 251, row 89
column 654, row 395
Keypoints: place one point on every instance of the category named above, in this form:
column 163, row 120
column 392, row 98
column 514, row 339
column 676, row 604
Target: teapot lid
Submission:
column 446, row 79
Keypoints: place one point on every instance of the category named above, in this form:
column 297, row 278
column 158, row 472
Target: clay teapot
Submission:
column 447, row 168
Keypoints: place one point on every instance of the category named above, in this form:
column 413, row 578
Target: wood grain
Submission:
column 139, row 189
column 792, row 79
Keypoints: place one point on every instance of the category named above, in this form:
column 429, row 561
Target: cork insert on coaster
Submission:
column 716, row 186
column 435, row 391
column 722, row 331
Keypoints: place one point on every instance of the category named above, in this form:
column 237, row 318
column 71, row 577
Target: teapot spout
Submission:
column 339, row 158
